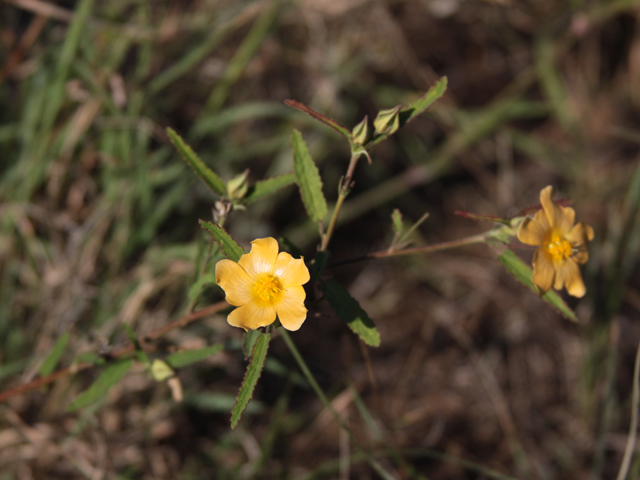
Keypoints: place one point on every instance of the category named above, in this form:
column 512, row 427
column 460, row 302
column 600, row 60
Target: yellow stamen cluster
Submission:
column 559, row 248
column 267, row 287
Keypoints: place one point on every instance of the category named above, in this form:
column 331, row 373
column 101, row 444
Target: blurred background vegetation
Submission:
column 475, row 378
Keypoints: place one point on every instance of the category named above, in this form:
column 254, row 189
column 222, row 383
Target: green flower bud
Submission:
column 238, row 186
column 360, row 132
column 388, row 121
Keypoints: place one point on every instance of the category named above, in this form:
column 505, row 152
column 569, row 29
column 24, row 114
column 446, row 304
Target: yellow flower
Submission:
column 562, row 246
column 262, row 284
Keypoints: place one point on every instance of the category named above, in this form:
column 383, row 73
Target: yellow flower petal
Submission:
column 262, row 257
column 580, row 234
column 568, row 275
column 560, row 218
column 292, row 272
column 252, row 316
column 533, row 231
column 543, row 271
column 234, row 281
column 291, row 310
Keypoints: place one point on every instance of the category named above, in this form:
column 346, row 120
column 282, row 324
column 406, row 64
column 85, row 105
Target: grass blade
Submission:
column 350, row 312
column 205, row 173
column 251, row 377
column 229, row 246
column 522, row 272
column 308, row 179
column 49, row 363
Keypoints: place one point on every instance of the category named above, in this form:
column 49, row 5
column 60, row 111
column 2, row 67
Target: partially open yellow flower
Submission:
column 563, row 246
column 262, row 284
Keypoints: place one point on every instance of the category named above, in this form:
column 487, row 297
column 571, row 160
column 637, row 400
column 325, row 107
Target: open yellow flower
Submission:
column 262, row 284
column 563, row 246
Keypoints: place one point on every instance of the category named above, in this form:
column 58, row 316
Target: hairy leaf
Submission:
column 308, row 179
column 320, row 117
column 229, row 246
column 251, row 377
column 205, row 173
column 350, row 312
column 523, row 273
column 263, row 188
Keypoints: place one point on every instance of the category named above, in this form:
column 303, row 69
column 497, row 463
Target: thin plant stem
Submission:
column 633, row 426
column 316, row 387
column 342, row 195
column 480, row 238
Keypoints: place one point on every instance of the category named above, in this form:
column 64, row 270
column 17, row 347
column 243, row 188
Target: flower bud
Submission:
column 237, row 187
column 388, row 121
column 360, row 132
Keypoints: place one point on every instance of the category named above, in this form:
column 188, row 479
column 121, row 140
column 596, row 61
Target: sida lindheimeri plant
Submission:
column 270, row 288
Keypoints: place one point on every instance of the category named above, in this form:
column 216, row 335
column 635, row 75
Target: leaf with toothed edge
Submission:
column 320, row 117
column 308, row 179
column 229, row 246
column 268, row 186
column 205, row 173
column 251, row 377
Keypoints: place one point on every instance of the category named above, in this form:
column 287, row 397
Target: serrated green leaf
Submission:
column 249, row 342
column 205, row 173
column 187, row 357
column 350, row 312
column 320, row 117
column 420, row 105
column 98, row 389
column 254, row 370
column 268, row 186
column 49, row 363
column 196, row 288
column 229, row 246
column 523, row 273
column 308, row 179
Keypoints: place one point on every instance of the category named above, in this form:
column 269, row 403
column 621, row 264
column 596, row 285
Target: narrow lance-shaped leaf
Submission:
column 420, row 105
column 229, row 246
column 320, row 117
column 49, row 363
column 205, row 173
column 308, row 179
column 268, row 186
column 98, row 389
column 522, row 272
column 187, row 357
column 251, row 377
column 249, row 342
column 350, row 312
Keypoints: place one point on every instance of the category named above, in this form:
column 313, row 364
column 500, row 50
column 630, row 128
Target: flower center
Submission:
column 559, row 248
column 267, row 288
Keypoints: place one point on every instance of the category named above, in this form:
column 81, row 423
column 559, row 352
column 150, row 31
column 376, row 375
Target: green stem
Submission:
column 480, row 238
column 344, row 191
column 314, row 384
